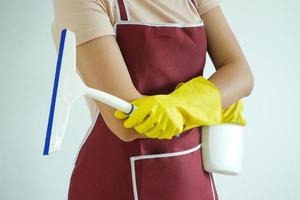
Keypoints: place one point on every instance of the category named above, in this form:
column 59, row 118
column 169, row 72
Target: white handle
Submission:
column 110, row 100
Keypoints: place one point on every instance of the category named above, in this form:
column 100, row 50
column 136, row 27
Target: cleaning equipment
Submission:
column 68, row 87
column 223, row 144
column 222, row 148
column 162, row 117
column 195, row 103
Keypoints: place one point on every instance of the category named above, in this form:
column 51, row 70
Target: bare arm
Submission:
column 233, row 76
column 102, row 67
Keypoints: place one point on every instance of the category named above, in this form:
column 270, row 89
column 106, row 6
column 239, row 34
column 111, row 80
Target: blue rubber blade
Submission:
column 54, row 92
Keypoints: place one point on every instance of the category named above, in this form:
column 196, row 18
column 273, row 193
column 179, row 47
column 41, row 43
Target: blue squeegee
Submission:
column 67, row 88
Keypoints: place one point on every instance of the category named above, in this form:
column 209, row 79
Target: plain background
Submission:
column 268, row 32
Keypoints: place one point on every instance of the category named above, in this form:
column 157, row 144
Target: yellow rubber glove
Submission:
column 196, row 102
column 155, row 116
column 233, row 114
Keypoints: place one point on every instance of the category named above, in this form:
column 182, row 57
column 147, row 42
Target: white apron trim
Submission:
column 212, row 186
column 161, row 24
column 200, row 23
column 87, row 135
column 163, row 155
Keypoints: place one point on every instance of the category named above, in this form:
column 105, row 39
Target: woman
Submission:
column 152, row 53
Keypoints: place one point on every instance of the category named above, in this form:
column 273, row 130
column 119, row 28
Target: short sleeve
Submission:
column 204, row 6
column 88, row 19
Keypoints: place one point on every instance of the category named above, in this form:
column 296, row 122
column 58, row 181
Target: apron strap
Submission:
column 122, row 10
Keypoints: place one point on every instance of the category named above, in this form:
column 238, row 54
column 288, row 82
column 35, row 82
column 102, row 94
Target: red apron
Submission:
column 158, row 56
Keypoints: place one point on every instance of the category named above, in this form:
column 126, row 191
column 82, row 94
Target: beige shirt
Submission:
column 90, row 19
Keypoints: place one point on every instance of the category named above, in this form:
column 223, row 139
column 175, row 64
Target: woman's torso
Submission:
column 150, row 11
column 114, row 169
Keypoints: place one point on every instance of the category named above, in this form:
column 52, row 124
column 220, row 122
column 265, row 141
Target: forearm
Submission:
column 102, row 67
column 234, row 81
column 115, row 125
column 233, row 76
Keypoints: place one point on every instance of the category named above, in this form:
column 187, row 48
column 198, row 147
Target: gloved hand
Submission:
column 233, row 114
column 196, row 102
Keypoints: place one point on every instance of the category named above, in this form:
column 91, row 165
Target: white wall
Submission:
column 268, row 32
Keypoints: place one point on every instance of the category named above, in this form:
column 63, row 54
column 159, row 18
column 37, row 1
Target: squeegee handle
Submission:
column 111, row 100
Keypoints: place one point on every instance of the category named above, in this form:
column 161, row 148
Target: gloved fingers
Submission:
column 120, row 115
column 169, row 131
column 174, row 125
column 178, row 85
column 160, row 128
column 138, row 116
column 153, row 132
column 148, row 123
column 178, row 130
column 138, row 101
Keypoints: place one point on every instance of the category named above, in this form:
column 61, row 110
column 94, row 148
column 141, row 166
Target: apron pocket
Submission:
column 176, row 175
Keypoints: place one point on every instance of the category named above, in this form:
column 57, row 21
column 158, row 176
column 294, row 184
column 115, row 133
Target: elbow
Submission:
column 249, row 83
column 121, row 132
column 115, row 126
column 126, row 138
